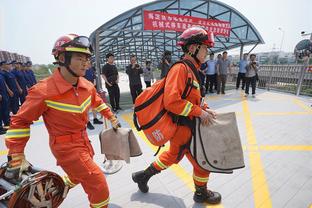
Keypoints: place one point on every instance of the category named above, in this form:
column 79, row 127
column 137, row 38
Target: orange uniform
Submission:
column 64, row 109
column 191, row 106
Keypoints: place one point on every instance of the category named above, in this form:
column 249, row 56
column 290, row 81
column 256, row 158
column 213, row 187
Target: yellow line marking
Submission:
column 302, row 105
column 277, row 147
column 251, row 138
column 286, row 147
column 180, row 172
column 259, row 184
column 280, row 113
column 3, row 152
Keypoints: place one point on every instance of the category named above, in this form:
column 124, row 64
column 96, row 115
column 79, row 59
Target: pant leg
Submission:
column 247, row 85
column 133, row 93
column 200, row 176
column 117, row 96
column 111, row 95
column 14, row 103
column 5, row 112
column 75, row 158
column 223, row 81
column 243, row 80
column 238, row 80
column 139, row 89
column 169, row 157
column 207, row 83
column 253, row 84
column 215, row 81
column 218, row 83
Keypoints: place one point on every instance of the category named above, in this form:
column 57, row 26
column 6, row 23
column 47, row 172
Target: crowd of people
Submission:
column 213, row 73
column 16, row 78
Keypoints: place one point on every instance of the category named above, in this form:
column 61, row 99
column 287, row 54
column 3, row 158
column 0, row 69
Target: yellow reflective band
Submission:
column 200, row 179
column 101, row 107
column 17, row 133
column 79, row 50
column 187, row 109
column 68, row 182
column 160, row 164
column 68, row 107
column 196, row 84
column 101, row 204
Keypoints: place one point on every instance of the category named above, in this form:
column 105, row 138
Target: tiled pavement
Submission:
column 276, row 133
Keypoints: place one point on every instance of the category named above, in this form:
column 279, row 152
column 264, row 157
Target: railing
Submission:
column 285, row 78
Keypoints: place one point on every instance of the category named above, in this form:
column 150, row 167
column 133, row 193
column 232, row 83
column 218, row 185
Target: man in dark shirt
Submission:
column 111, row 77
column 134, row 70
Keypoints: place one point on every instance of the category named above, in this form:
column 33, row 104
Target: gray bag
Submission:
column 217, row 147
column 119, row 145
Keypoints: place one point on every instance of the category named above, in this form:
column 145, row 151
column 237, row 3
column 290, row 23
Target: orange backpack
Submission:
column 150, row 114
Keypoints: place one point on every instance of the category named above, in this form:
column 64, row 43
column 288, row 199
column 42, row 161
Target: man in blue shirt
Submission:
column 20, row 79
column 90, row 76
column 13, row 85
column 242, row 71
column 4, row 102
column 211, row 75
column 31, row 75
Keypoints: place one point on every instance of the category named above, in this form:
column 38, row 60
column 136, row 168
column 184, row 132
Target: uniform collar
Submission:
column 62, row 85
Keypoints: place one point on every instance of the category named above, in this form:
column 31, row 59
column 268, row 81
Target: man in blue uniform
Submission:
column 13, row 85
column 4, row 102
column 31, row 75
column 20, row 79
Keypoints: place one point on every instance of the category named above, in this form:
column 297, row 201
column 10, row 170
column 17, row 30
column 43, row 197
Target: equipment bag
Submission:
column 217, row 147
column 150, row 115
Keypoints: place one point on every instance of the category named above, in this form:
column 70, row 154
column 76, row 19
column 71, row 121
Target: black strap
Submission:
column 150, row 101
column 154, row 120
column 194, row 70
column 159, row 147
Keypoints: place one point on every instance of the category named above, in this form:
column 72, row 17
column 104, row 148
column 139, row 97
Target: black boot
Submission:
column 90, row 126
column 142, row 177
column 97, row 121
column 202, row 194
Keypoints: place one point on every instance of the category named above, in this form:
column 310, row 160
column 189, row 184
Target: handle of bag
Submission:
column 135, row 121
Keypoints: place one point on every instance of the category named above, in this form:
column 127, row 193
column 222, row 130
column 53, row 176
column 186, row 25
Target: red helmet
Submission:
column 196, row 35
column 72, row 43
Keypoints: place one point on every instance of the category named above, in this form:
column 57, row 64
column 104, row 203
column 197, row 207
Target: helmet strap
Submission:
column 194, row 55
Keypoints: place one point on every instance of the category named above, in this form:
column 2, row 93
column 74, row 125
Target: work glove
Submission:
column 115, row 123
column 17, row 164
column 206, row 117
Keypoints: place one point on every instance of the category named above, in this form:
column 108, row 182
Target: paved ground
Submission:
column 276, row 133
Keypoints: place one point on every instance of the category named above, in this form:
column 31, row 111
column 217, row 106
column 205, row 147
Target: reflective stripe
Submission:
column 101, row 204
column 196, row 84
column 101, row 107
column 17, row 133
column 68, row 107
column 160, row 164
column 68, row 182
column 81, row 50
column 187, row 109
column 200, row 179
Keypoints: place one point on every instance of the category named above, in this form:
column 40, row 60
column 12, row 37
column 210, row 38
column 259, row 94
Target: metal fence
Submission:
column 296, row 79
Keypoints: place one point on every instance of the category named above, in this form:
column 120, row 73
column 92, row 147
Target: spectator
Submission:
column 148, row 73
column 211, row 76
column 242, row 72
column 90, row 76
column 165, row 64
column 111, row 77
column 134, row 70
column 251, row 75
column 223, row 67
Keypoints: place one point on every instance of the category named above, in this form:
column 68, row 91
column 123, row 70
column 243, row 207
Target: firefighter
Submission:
column 64, row 100
column 195, row 42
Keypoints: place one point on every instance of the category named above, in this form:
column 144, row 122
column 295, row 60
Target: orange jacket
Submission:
column 64, row 109
column 175, row 84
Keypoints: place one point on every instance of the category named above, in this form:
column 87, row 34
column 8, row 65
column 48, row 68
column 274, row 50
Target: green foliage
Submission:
column 43, row 71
